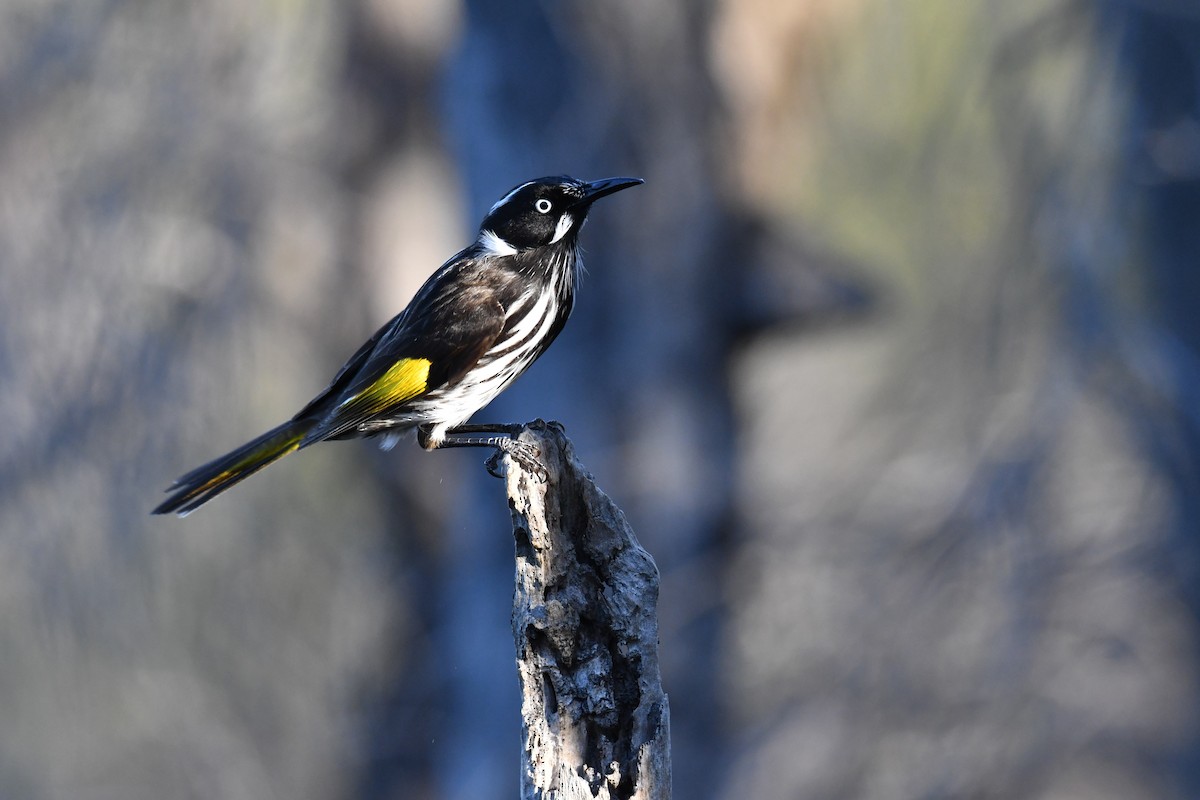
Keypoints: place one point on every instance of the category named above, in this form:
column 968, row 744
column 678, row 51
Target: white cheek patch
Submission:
column 493, row 245
column 564, row 224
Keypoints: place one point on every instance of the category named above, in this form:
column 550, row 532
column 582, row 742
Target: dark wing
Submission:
column 455, row 318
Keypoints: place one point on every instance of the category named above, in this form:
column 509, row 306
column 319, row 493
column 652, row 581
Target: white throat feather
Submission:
column 493, row 245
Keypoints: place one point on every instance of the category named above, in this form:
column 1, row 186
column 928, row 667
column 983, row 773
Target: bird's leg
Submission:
column 510, row 429
column 505, row 443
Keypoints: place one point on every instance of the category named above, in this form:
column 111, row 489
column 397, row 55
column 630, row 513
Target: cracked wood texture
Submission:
column 595, row 719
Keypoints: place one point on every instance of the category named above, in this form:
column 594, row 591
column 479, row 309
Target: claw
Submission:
column 526, row 455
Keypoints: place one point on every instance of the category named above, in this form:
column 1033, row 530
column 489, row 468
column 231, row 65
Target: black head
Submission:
column 545, row 211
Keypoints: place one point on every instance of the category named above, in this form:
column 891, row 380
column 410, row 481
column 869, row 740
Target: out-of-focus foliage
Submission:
column 170, row 230
column 963, row 593
column 934, row 544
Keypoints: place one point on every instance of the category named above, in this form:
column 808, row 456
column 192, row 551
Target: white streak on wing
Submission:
column 544, row 328
column 492, row 376
column 508, row 196
column 493, row 245
column 518, row 305
column 564, row 224
column 485, row 375
column 528, row 322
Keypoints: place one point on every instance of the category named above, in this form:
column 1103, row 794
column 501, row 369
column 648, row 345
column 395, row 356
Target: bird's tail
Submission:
column 204, row 483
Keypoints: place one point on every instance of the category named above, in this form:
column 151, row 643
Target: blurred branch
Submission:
column 595, row 719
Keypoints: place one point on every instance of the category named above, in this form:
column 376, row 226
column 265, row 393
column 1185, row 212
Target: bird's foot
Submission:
column 526, row 455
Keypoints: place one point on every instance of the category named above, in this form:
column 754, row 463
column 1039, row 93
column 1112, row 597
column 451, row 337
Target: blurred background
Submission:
column 892, row 364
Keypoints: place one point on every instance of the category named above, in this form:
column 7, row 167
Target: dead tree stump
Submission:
column 594, row 717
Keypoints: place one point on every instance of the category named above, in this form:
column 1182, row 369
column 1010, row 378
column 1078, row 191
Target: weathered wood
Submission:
column 595, row 720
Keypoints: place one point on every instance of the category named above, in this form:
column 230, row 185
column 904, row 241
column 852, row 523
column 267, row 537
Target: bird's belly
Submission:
column 453, row 405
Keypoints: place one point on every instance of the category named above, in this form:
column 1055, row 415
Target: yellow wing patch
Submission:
column 404, row 380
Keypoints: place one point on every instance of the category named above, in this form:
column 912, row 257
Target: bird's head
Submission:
column 543, row 212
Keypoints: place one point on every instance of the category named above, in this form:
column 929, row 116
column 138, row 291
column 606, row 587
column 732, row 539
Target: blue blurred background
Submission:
column 892, row 364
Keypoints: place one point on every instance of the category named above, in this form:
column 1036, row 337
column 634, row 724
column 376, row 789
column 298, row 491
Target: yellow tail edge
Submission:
column 204, row 483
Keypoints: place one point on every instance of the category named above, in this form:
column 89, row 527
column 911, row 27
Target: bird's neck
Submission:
column 556, row 266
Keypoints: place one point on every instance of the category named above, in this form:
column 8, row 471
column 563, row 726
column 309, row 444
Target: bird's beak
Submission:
column 594, row 190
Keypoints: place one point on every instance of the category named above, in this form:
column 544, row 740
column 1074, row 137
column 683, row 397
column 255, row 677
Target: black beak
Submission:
column 594, row 190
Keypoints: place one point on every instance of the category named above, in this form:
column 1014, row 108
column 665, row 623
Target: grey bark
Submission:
column 595, row 719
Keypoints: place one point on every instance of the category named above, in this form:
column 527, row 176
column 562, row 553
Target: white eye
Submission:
column 543, row 206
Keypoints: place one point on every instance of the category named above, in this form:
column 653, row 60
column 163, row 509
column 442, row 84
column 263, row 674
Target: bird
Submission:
column 473, row 328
